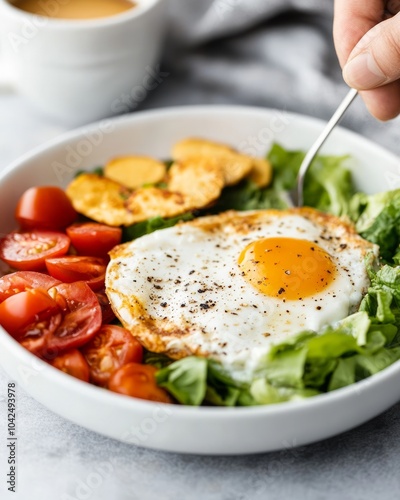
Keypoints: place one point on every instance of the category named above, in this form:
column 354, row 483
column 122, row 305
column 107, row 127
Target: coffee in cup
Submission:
column 74, row 9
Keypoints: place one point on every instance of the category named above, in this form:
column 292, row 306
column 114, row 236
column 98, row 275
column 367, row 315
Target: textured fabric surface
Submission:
column 270, row 53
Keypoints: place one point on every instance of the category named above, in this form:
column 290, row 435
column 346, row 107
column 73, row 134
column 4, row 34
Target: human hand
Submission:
column 367, row 42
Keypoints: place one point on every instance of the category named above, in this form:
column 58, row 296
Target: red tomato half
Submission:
column 10, row 284
column 73, row 268
column 24, row 308
column 94, row 239
column 82, row 315
column 73, row 363
column 48, row 323
column 45, row 207
column 28, row 251
column 111, row 348
column 138, row 381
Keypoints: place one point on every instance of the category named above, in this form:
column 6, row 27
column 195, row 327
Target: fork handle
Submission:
column 312, row 152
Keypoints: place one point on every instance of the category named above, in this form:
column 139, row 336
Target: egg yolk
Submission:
column 287, row 268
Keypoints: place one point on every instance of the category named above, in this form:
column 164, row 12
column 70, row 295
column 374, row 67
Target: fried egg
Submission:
column 228, row 286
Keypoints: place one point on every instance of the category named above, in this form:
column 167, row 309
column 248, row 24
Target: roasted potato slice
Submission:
column 135, row 171
column 145, row 203
column 261, row 173
column 101, row 199
column 199, row 179
column 235, row 165
column 192, row 183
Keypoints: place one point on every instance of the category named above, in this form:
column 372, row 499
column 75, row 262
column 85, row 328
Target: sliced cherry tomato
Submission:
column 10, row 284
column 73, row 268
column 73, row 363
column 111, row 348
column 138, row 381
column 24, row 308
column 45, row 207
column 28, row 251
column 74, row 321
column 94, row 239
column 82, row 315
column 106, row 310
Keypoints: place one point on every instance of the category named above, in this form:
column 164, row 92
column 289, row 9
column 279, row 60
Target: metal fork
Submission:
column 312, row 152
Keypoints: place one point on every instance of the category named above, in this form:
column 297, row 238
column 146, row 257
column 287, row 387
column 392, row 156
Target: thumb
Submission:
column 375, row 60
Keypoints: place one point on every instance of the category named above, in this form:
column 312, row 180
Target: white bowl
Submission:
column 180, row 428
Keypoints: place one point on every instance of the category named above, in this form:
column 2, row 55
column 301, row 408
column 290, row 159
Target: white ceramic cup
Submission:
column 82, row 70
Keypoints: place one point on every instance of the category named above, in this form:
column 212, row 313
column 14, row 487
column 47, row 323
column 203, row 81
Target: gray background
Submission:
column 258, row 52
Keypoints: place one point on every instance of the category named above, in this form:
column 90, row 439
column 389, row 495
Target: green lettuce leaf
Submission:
column 396, row 257
column 247, row 196
column 286, row 368
column 194, row 380
column 94, row 170
column 357, row 325
column 185, row 379
column 328, row 185
column 156, row 359
column 265, row 393
column 382, row 302
column 344, row 374
column 285, row 165
column 149, row 226
column 377, row 219
column 317, row 371
column 222, row 389
column 367, row 365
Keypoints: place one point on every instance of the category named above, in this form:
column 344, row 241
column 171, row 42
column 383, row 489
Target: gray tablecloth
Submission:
column 271, row 53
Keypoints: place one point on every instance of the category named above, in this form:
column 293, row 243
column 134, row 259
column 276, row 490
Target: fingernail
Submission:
column 362, row 72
